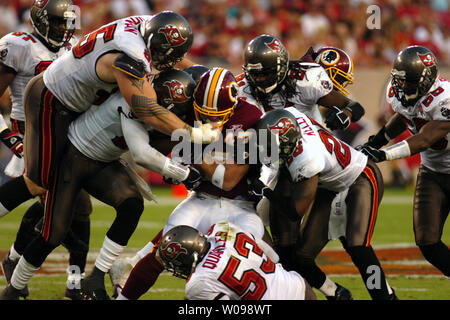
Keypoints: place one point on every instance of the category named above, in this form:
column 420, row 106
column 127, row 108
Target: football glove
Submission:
column 375, row 155
column 336, row 119
column 14, row 141
column 193, row 180
column 259, row 189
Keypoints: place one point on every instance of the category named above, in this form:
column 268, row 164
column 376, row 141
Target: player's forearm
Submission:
column 430, row 133
column 395, row 126
column 226, row 176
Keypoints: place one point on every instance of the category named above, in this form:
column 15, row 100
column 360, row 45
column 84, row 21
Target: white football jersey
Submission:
column 97, row 133
column 337, row 164
column 28, row 56
column 311, row 83
column 73, row 78
column 433, row 106
column 236, row 268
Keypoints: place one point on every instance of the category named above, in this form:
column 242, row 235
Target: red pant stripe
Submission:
column 46, row 147
column 373, row 214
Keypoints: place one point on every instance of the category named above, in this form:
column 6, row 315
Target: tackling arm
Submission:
column 342, row 110
column 144, row 155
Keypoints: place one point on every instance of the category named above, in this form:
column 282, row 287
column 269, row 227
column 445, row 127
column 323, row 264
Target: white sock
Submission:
column 108, row 254
column 389, row 288
column 3, row 210
column 22, row 274
column 13, row 254
column 145, row 250
column 121, row 297
column 328, row 288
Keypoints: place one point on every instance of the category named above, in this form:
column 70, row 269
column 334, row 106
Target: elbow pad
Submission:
column 356, row 109
column 133, row 68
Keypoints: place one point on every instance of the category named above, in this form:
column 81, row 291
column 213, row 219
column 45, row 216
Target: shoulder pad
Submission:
column 130, row 66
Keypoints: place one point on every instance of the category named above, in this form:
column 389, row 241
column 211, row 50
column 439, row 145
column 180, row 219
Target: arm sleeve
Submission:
column 11, row 52
column 136, row 137
column 318, row 85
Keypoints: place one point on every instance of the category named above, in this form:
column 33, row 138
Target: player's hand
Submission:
column 14, row 141
column 336, row 119
column 205, row 134
column 375, row 155
column 193, row 180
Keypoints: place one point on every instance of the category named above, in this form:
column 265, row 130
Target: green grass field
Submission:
column 394, row 227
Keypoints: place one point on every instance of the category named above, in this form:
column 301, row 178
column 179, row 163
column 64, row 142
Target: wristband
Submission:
column 398, row 151
column 175, row 171
column 218, row 176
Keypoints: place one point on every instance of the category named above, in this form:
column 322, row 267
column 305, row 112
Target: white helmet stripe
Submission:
column 218, row 86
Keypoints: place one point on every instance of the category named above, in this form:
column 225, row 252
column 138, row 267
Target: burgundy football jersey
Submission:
column 245, row 117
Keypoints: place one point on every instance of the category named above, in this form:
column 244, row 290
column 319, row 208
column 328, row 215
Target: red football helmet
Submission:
column 215, row 96
column 339, row 66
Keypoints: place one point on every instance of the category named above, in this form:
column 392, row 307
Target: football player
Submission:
column 213, row 265
column 23, row 56
column 97, row 139
column 421, row 101
column 223, row 194
column 116, row 57
column 271, row 81
column 320, row 166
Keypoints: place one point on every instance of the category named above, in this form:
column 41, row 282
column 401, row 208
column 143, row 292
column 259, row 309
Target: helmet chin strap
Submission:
column 412, row 96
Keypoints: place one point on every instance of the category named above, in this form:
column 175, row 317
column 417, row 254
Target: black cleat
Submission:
column 10, row 293
column 73, row 294
column 393, row 296
column 93, row 288
column 8, row 267
column 341, row 294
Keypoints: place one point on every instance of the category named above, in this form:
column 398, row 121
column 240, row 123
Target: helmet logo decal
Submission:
column 276, row 46
column 176, row 90
column 41, row 3
column 282, row 127
column 329, row 57
column 173, row 35
column 173, row 250
column 427, row 59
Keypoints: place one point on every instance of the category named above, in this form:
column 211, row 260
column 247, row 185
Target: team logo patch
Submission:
column 326, row 84
column 282, row 127
column 176, row 90
column 329, row 57
column 276, row 46
column 173, row 250
column 3, row 53
column 445, row 112
column 427, row 59
column 173, row 35
column 40, row 3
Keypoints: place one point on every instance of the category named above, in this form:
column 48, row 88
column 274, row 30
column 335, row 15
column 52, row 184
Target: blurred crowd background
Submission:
column 222, row 28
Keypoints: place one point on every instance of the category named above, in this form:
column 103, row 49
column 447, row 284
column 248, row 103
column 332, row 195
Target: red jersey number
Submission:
column 242, row 286
column 87, row 43
column 333, row 145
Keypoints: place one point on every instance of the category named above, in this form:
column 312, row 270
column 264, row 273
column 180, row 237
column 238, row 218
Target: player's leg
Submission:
column 24, row 236
column 77, row 243
column 46, row 126
column 431, row 208
column 312, row 239
column 113, row 186
column 363, row 199
column 189, row 212
column 57, row 219
column 283, row 229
